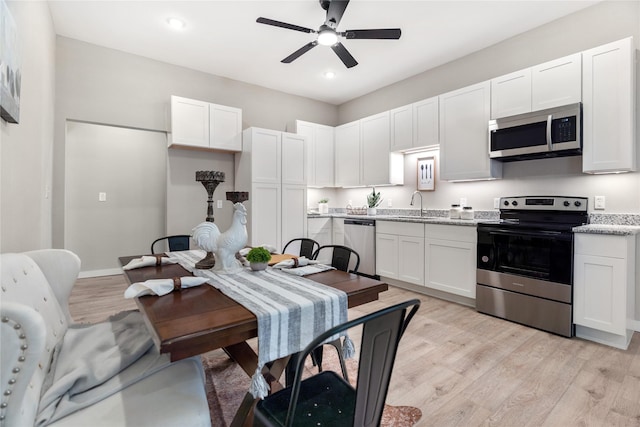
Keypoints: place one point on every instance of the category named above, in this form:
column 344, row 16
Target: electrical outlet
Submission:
column 496, row 202
column 102, row 197
column 389, row 203
column 599, row 202
column 219, row 204
column 463, row 202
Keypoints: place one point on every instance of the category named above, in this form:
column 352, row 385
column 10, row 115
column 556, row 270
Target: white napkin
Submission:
column 308, row 269
column 147, row 261
column 288, row 263
column 161, row 286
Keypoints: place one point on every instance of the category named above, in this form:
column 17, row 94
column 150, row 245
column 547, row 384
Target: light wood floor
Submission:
column 463, row 368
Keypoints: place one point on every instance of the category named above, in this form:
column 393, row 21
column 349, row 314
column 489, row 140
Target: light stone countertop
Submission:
column 611, row 229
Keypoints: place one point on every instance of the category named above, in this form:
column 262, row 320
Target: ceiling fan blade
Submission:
column 275, row 23
column 382, row 33
column 335, row 11
column 304, row 49
column 344, row 55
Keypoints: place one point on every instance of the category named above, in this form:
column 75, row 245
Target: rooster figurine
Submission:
column 224, row 245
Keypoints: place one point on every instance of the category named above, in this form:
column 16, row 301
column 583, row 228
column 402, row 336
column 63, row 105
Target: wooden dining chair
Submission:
column 178, row 242
column 328, row 399
column 307, row 246
column 340, row 257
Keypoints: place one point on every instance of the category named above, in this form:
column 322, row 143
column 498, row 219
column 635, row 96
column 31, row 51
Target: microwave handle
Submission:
column 549, row 141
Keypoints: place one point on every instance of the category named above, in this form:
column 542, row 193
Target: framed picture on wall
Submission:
column 427, row 173
column 10, row 74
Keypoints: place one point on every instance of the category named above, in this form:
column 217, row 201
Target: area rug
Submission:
column 226, row 385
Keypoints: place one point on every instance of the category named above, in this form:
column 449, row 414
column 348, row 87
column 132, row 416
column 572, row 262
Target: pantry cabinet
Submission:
column 450, row 259
column 604, row 288
column 320, row 153
column 203, row 125
column 464, row 136
column 400, row 251
column 272, row 168
column 609, row 108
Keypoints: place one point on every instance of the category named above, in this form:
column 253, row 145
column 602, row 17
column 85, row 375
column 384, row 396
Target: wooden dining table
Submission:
column 196, row 320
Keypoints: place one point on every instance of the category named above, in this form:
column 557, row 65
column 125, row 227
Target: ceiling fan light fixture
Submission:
column 327, row 37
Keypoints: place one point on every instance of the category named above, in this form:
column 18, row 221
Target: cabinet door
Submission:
column 556, row 83
column 225, row 128
column 294, row 212
column 411, row 259
column 511, row 94
column 338, row 231
column 599, row 293
column 264, row 222
column 294, row 159
column 374, row 149
column 401, row 128
column 426, row 123
column 608, row 108
column 451, row 266
column 320, row 230
column 189, row 122
column 387, row 255
column 347, row 159
column 266, row 155
column 324, row 156
column 308, row 130
column 464, row 135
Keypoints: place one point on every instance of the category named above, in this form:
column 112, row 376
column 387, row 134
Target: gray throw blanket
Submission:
column 96, row 361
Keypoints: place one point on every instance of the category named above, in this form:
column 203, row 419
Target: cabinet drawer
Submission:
column 458, row 233
column 602, row 245
column 400, row 228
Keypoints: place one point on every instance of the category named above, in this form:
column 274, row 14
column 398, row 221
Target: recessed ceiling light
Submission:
column 329, row 74
column 176, row 24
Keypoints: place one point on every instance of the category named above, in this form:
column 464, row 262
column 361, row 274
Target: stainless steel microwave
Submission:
column 546, row 133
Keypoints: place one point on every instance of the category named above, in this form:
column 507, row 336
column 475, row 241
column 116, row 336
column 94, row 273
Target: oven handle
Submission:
column 540, row 233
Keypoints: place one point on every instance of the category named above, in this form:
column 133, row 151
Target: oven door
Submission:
column 540, row 254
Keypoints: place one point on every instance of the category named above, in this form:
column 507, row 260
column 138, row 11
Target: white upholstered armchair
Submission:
column 42, row 350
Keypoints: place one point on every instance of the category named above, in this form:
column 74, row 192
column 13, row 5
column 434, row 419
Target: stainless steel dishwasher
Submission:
column 360, row 235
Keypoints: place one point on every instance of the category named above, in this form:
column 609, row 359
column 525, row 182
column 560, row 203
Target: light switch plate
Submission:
column 599, row 202
column 496, row 202
column 389, row 203
column 219, row 204
column 102, row 197
column 463, row 202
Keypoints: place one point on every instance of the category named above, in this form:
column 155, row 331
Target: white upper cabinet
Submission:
column 511, row 94
column 320, row 153
column 401, row 121
column 426, row 126
column 464, row 136
column 202, row 125
column 347, row 156
column 378, row 164
column 266, row 155
column 609, row 107
column 293, row 159
column 556, row 83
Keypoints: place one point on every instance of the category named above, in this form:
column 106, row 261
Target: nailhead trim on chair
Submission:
column 16, row 370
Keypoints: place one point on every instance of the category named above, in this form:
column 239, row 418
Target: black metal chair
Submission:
column 307, row 246
column 328, row 399
column 178, row 242
column 340, row 257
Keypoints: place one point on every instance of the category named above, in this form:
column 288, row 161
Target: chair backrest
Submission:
column 178, row 242
column 341, row 257
column 381, row 335
column 307, row 246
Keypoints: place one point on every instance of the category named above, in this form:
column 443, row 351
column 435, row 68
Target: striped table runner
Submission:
column 291, row 310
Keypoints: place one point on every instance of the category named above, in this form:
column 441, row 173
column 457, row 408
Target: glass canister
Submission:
column 455, row 211
column 467, row 213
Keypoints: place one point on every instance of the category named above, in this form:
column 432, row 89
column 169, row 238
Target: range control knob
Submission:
column 566, row 203
column 506, row 203
column 514, row 203
column 577, row 203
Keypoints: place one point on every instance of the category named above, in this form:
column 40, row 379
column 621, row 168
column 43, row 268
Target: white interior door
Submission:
column 115, row 193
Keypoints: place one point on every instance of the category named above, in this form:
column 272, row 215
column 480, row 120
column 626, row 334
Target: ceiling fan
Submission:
column 328, row 35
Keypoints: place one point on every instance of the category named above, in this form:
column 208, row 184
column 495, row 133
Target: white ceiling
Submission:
column 223, row 38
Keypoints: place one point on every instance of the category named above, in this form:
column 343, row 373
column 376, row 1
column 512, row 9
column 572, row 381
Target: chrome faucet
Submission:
column 413, row 195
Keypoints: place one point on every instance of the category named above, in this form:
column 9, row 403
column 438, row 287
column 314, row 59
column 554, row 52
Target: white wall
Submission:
column 26, row 148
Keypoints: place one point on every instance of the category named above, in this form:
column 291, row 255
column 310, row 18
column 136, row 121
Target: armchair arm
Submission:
column 61, row 268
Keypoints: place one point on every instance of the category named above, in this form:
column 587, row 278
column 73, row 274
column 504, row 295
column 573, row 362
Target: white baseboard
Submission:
column 99, row 273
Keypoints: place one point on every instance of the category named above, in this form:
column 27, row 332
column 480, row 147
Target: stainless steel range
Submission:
column 525, row 262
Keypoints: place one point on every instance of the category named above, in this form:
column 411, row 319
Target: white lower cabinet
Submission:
column 450, row 259
column 321, row 230
column 604, row 288
column 338, row 231
column 400, row 251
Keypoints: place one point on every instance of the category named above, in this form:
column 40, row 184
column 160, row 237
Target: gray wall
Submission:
column 101, row 85
column 594, row 26
column 26, row 148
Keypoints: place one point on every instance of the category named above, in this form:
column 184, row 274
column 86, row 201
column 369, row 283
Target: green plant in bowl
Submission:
column 374, row 199
column 258, row 258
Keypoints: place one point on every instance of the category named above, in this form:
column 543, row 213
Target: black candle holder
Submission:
column 210, row 181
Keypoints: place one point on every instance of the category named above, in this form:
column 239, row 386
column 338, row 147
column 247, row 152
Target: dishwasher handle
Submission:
column 365, row 222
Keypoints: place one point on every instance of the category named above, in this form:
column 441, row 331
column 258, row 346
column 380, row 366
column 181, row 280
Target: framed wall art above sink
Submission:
column 426, row 173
